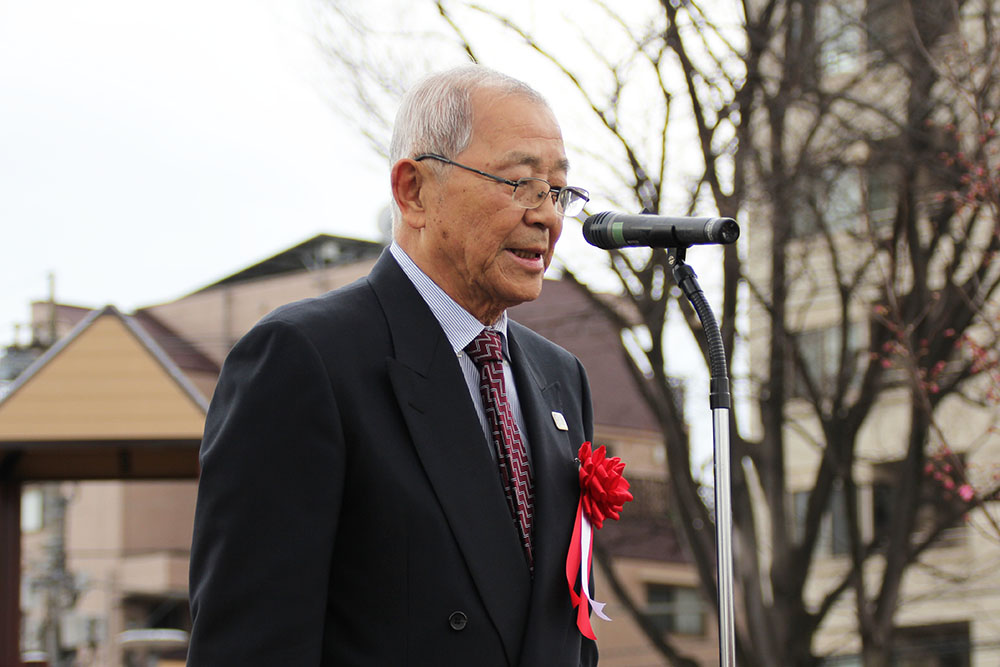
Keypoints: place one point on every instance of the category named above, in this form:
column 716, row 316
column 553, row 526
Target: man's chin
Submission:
column 524, row 294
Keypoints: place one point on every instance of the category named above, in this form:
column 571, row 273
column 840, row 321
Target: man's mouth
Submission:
column 525, row 254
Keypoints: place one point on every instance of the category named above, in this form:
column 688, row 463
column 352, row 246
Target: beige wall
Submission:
column 214, row 319
column 158, row 516
column 642, row 451
column 621, row 642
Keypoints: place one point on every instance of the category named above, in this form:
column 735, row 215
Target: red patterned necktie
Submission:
column 486, row 351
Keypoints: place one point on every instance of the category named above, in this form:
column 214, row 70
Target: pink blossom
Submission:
column 966, row 492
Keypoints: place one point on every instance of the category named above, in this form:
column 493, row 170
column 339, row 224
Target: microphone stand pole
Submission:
column 721, row 403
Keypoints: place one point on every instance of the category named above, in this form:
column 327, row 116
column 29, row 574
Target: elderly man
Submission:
column 388, row 472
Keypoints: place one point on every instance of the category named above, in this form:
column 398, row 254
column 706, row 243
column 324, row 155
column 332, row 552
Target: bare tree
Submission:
column 857, row 144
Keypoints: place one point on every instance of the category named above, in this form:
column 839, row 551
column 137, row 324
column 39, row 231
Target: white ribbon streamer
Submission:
column 586, row 544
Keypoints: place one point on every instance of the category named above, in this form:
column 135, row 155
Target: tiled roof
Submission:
column 566, row 316
column 180, row 351
column 321, row 251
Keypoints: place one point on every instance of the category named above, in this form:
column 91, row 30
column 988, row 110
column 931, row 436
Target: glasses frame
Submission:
column 554, row 190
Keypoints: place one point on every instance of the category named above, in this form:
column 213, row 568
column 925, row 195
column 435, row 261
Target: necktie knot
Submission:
column 485, row 347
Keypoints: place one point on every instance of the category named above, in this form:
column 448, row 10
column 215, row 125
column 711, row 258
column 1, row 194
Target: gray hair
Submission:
column 435, row 115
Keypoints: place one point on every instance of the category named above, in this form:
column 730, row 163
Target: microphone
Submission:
column 611, row 230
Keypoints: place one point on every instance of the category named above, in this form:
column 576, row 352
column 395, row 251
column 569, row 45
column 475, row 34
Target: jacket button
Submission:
column 458, row 620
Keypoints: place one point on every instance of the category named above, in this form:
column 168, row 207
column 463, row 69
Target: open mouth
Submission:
column 525, row 254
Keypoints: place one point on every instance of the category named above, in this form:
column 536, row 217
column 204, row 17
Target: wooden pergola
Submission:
column 107, row 402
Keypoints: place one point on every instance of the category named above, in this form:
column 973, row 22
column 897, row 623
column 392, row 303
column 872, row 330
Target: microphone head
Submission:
column 722, row 230
column 610, row 230
column 597, row 231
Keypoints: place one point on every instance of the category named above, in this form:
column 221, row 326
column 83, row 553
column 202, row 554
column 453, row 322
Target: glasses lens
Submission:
column 530, row 192
column 571, row 201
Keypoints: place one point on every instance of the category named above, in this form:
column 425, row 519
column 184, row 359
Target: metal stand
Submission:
column 721, row 403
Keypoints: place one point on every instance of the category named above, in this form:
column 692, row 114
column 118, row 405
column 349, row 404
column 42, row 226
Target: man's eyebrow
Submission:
column 519, row 158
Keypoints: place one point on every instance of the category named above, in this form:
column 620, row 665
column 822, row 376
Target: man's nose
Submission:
column 544, row 214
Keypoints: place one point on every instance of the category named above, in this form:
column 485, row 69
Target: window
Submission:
column 841, row 38
column 152, row 611
column 945, row 645
column 820, row 351
column 842, row 661
column 675, row 609
column 833, row 537
column 828, row 200
column 885, row 25
column 937, row 506
column 839, row 198
column 880, row 194
column 32, row 510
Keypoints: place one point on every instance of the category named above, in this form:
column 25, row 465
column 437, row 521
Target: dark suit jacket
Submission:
column 349, row 511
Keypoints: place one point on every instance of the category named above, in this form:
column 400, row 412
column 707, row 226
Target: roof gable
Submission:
column 108, row 379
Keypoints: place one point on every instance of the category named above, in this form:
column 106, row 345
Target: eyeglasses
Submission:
column 529, row 192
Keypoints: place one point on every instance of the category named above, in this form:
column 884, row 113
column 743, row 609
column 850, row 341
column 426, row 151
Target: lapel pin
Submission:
column 560, row 421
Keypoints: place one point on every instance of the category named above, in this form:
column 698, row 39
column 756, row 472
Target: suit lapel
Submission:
column 552, row 454
column 448, row 438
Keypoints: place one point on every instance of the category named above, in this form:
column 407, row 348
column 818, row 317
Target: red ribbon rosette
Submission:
column 603, row 488
column 603, row 493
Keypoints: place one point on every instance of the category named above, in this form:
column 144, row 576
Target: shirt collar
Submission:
column 459, row 325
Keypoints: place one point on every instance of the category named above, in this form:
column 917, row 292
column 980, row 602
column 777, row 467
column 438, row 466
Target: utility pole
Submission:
column 57, row 583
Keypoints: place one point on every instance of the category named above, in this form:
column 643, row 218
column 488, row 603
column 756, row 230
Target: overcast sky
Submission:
column 149, row 148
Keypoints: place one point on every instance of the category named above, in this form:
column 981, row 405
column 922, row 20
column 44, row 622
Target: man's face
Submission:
column 484, row 250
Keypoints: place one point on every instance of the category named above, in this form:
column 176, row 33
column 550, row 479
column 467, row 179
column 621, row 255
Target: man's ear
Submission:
column 408, row 183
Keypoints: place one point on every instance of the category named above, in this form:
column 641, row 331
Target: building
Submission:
column 855, row 242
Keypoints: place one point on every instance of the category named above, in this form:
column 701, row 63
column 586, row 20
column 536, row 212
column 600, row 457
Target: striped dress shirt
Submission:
column 460, row 327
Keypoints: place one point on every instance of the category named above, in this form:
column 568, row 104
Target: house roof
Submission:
column 565, row 315
column 321, row 251
column 178, row 349
column 106, row 401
